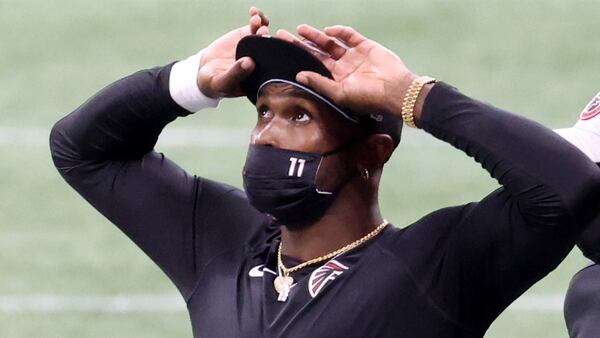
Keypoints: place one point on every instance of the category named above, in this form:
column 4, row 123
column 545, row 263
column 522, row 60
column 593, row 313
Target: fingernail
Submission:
column 246, row 64
column 301, row 78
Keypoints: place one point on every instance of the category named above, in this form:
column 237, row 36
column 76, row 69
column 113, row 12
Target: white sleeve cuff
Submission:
column 183, row 85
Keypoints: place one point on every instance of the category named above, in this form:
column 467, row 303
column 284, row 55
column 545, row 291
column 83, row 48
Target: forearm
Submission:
column 552, row 182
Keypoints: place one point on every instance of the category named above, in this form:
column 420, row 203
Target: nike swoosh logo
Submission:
column 259, row 271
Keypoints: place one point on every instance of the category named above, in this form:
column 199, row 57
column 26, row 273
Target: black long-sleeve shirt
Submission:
column 450, row 274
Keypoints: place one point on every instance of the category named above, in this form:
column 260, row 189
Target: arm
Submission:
column 519, row 153
column 104, row 149
column 516, row 235
column 513, row 237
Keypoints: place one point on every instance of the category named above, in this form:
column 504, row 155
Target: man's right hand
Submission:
column 219, row 74
column 368, row 76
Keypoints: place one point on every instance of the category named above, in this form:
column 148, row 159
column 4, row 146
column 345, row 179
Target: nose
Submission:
column 267, row 133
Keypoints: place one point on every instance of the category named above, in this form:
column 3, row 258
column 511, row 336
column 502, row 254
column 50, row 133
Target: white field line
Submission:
column 174, row 303
column 180, row 137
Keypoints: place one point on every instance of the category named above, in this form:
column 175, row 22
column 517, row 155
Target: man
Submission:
column 582, row 303
column 305, row 252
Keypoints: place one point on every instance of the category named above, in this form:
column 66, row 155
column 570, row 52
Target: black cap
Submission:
column 279, row 61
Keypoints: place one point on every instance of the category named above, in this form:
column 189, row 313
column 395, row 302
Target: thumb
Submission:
column 321, row 84
column 228, row 81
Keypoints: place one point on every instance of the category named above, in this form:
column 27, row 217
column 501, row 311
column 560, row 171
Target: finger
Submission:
column 327, row 43
column 321, row 84
column 347, row 34
column 256, row 11
column 287, row 36
column 231, row 78
column 308, row 46
column 263, row 30
column 255, row 24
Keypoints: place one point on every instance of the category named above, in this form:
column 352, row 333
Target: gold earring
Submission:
column 364, row 174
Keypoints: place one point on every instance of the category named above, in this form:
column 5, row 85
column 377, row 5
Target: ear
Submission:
column 378, row 148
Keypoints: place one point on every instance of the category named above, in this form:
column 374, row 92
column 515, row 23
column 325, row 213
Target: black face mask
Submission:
column 281, row 183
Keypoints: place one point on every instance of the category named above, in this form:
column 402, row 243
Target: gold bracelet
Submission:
column 410, row 99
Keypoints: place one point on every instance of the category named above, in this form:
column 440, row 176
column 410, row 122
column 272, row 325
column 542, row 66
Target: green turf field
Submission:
column 537, row 58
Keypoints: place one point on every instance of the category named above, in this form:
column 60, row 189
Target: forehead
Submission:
column 284, row 89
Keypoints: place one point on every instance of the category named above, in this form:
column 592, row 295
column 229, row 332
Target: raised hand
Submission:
column 368, row 76
column 219, row 74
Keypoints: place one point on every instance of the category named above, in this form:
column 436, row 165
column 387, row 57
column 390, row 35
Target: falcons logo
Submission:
column 592, row 109
column 323, row 275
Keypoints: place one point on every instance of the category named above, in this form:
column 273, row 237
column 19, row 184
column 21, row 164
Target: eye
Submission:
column 302, row 117
column 264, row 113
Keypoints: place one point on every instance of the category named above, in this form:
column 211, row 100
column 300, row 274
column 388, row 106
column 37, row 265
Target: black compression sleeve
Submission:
column 516, row 235
column 104, row 149
column 553, row 182
column 122, row 121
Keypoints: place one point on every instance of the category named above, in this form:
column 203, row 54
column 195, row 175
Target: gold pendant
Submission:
column 283, row 284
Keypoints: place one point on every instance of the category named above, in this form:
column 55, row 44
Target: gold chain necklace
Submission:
column 283, row 282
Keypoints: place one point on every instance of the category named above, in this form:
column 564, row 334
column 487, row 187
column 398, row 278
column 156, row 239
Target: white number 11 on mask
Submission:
column 293, row 163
